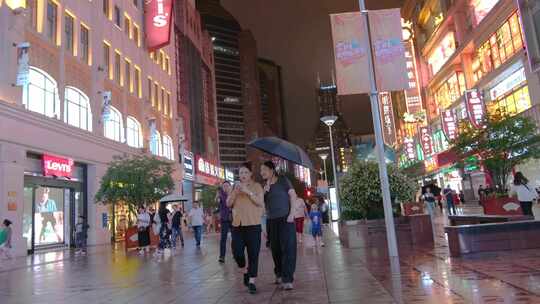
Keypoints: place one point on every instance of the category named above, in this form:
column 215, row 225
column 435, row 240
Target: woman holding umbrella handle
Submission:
column 280, row 200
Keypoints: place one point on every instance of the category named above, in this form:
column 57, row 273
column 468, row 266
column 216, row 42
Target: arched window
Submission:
column 134, row 133
column 41, row 94
column 155, row 144
column 113, row 126
column 77, row 110
column 168, row 150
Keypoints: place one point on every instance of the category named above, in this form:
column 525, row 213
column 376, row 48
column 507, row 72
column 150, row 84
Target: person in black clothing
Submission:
column 225, row 216
column 164, row 230
column 176, row 226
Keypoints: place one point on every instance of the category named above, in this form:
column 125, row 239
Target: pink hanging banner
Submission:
column 350, row 53
column 388, row 49
column 449, row 124
column 410, row 149
column 157, row 21
column 425, row 139
column 475, row 108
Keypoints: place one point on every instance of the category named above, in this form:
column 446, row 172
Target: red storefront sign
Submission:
column 475, row 108
column 157, row 20
column 57, row 166
column 449, row 124
column 410, row 149
column 425, row 139
column 446, row 158
column 387, row 117
column 412, row 94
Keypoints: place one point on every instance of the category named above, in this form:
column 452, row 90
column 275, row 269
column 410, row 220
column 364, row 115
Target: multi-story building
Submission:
column 78, row 86
column 467, row 49
column 273, row 110
column 239, row 114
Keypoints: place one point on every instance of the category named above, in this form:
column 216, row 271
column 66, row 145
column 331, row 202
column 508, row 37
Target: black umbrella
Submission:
column 284, row 149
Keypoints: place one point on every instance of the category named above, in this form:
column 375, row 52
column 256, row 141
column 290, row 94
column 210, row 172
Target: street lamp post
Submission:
column 329, row 121
column 324, row 157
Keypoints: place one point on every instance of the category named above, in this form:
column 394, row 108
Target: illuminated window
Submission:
column 118, row 67
column 107, row 8
column 137, row 82
column 442, row 53
column 168, row 150
column 127, row 76
column 161, row 105
column 512, row 103
column 136, row 35
column 450, row 91
column 113, row 126
column 482, row 8
column 41, row 94
column 155, row 144
column 69, row 24
column 127, row 26
column 52, row 21
column 31, row 6
column 107, row 59
column 85, row 46
column 150, row 89
column 117, row 16
column 169, row 104
column 157, row 95
column 134, row 133
column 77, row 110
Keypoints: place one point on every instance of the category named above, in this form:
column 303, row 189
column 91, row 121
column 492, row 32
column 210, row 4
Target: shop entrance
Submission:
column 51, row 210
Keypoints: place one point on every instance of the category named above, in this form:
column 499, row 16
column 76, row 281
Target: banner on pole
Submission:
column 475, row 108
column 449, row 124
column 388, row 49
column 23, row 68
column 425, row 139
column 350, row 53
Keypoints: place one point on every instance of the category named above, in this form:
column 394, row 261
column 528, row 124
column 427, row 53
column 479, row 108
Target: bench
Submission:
column 471, row 219
column 511, row 235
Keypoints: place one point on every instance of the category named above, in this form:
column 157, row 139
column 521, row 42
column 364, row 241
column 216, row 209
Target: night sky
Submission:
column 296, row 34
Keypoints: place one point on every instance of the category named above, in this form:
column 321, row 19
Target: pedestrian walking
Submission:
column 280, row 199
column 449, row 198
column 247, row 203
column 143, row 230
column 81, row 234
column 325, row 210
column 525, row 193
column 299, row 215
column 176, row 227
column 315, row 217
column 196, row 218
column 5, row 244
column 429, row 202
column 164, row 217
column 225, row 217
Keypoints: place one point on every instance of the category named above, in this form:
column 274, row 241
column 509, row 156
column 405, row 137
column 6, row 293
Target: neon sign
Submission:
column 157, row 16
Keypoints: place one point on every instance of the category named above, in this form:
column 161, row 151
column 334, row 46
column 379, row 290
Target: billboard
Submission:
column 157, row 21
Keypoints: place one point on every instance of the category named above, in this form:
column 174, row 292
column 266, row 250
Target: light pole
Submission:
column 329, row 121
column 324, row 157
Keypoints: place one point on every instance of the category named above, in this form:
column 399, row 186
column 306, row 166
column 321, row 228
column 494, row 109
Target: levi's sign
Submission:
column 157, row 20
column 57, row 166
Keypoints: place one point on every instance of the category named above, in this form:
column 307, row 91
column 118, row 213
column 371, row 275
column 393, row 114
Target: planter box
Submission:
column 414, row 230
column 501, row 206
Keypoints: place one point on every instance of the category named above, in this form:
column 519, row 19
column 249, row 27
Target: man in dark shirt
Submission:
column 176, row 226
column 225, row 217
column 450, row 204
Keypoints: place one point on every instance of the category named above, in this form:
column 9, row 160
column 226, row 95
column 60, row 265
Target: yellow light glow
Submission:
column 15, row 4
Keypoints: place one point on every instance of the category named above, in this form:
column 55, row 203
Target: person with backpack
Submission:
column 524, row 192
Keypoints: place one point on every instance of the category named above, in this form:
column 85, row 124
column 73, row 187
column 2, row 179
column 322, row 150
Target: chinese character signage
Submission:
column 449, row 124
column 188, row 166
column 157, row 17
column 410, row 148
column 351, row 49
column 425, row 140
column 57, row 166
column 387, row 118
column 475, row 108
column 413, row 97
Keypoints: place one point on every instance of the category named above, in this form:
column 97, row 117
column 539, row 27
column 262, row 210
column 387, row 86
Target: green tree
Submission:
column 208, row 197
column 361, row 196
column 135, row 181
column 503, row 143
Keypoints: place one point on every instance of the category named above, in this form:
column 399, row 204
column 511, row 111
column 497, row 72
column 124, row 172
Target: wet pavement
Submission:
column 332, row 274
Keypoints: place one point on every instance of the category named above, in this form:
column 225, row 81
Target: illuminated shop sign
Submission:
column 188, row 166
column 413, row 97
column 442, row 53
column 303, row 174
column 475, row 108
column 410, row 149
column 449, row 124
column 57, row 166
column 387, row 117
column 207, row 168
column 157, row 19
column 425, row 139
column 508, row 84
column 482, row 8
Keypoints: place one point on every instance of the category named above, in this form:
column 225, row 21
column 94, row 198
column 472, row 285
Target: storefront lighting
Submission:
column 16, row 5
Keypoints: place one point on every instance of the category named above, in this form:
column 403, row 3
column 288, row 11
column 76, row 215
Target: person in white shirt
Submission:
column 524, row 192
column 143, row 228
column 196, row 218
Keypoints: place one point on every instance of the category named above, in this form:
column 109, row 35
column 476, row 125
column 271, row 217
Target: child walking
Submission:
column 316, row 225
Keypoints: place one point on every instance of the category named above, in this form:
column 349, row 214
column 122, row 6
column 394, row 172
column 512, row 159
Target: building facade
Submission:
column 92, row 91
column 465, row 52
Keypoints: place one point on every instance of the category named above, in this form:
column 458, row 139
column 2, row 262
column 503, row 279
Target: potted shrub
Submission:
column 502, row 143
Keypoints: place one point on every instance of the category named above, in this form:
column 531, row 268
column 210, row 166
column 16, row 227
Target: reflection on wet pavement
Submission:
column 333, row 274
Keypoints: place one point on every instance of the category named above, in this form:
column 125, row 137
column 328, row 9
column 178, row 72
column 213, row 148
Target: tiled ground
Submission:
column 333, row 274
